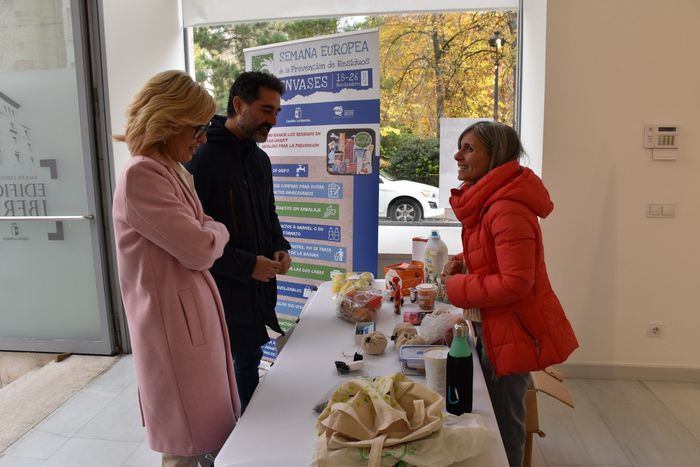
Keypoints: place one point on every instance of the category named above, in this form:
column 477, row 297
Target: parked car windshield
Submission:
column 387, row 176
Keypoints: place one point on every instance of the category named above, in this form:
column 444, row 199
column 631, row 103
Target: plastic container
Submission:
column 412, row 355
column 360, row 305
column 426, row 296
column 434, row 257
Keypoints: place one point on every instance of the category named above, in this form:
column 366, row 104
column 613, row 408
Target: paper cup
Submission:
column 436, row 369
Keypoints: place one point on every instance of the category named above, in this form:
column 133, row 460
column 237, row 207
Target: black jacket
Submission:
column 233, row 179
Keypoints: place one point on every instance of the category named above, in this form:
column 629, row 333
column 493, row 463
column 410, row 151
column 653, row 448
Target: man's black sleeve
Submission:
column 235, row 263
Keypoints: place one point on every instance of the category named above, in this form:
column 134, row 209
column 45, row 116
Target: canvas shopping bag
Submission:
column 388, row 419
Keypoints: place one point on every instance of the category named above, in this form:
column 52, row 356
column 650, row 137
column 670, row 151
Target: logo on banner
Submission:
column 263, row 62
column 298, row 113
column 301, row 170
column 340, row 112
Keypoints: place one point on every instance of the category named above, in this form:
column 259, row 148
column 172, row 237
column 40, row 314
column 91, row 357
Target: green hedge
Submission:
column 406, row 156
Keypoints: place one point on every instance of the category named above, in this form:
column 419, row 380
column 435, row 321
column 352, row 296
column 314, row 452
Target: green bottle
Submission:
column 460, row 373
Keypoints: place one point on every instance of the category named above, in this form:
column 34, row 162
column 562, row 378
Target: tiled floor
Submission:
column 615, row 423
column 99, row 427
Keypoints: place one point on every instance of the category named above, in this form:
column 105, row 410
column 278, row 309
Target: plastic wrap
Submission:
column 360, row 305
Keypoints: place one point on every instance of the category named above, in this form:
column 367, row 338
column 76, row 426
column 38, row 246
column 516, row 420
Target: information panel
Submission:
column 325, row 157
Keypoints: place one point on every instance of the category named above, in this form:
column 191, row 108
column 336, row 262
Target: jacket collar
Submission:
column 470, row 200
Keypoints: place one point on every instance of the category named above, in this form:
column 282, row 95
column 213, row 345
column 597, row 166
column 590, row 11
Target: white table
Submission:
column 278, row 428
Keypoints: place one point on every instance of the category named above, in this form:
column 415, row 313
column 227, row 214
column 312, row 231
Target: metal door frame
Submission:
column 88, row 51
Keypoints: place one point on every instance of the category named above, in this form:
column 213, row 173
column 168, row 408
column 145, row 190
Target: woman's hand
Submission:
column 453, row 267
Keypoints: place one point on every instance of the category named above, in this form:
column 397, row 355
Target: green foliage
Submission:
column 431, row 66
column 219, row 49
column 410, row 157
column 441, row 65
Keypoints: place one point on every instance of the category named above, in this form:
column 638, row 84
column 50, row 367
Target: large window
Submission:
column 432, row 66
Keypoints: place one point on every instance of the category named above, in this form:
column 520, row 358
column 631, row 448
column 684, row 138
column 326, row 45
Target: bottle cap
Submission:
column 459, row 330
column 435, row 234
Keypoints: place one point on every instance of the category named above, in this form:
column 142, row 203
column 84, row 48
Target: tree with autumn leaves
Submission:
column 441, row 65
column 431, row 66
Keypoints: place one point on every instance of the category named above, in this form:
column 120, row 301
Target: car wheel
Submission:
column 405, row 210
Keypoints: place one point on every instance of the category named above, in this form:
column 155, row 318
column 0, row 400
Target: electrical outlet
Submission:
column 655, row 330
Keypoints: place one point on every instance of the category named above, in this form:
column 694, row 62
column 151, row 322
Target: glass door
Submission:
column 53, row 286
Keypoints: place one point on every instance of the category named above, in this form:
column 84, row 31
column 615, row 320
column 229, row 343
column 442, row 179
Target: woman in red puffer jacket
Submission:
column 501, row 276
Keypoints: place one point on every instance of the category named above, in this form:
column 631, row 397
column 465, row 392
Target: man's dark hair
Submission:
column 247, row 87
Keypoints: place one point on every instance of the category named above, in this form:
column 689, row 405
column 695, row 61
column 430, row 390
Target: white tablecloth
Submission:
column 278, row 427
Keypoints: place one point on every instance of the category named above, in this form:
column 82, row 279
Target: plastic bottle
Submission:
column 460, row 373
column 434, row 257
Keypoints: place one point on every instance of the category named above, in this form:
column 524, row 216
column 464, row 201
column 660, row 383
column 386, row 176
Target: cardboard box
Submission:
column 411, row 274
column 548, row 382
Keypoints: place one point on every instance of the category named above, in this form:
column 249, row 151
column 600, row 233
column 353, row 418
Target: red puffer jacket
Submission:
column 524, row 326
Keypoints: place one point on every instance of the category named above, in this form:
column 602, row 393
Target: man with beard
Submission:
column 233, row 178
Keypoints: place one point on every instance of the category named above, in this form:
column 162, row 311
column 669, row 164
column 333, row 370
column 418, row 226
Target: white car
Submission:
column 406, row 201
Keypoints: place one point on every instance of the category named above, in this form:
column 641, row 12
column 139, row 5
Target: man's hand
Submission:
column 453, row 267
column 284, row 259
column 266, row 269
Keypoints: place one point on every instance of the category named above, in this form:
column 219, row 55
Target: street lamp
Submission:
column 496, row 42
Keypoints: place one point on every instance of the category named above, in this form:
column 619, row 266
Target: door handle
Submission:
column 85, row 217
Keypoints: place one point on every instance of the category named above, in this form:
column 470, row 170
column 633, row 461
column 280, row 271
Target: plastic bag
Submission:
column 345, row 282
column 436, row 327
column 360, row 305
column 460, row 438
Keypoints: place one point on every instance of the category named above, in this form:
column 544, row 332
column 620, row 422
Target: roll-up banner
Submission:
column 325, row 158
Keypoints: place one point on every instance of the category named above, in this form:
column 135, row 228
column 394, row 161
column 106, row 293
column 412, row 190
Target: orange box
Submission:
column 411, row 274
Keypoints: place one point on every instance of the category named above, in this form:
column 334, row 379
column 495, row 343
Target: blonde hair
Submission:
column 167, row 103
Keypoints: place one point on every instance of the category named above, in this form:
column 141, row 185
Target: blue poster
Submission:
column 325, row 154
column 330, row 233
column 290, row 170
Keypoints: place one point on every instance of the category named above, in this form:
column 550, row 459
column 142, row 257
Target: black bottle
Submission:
column 460, row 373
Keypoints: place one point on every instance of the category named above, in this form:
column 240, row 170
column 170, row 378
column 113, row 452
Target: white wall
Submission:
column 533, row 78
column 141, row 39
column 613, row 66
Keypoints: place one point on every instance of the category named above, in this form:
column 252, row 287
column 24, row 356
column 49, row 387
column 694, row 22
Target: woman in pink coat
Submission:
column 165, row 246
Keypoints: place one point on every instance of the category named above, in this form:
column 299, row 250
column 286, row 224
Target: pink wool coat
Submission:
column 165, row 246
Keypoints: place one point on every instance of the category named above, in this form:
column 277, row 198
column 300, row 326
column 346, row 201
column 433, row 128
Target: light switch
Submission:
column 654, row 210
column 668, row 210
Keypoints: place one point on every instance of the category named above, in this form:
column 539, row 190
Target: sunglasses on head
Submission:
column 199, row 130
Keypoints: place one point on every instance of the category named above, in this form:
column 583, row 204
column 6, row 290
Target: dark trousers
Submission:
column 507, row 395
column 245, row 366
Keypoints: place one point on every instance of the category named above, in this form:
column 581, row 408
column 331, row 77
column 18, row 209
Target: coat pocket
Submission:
column 529, row 333
column 191, row 312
